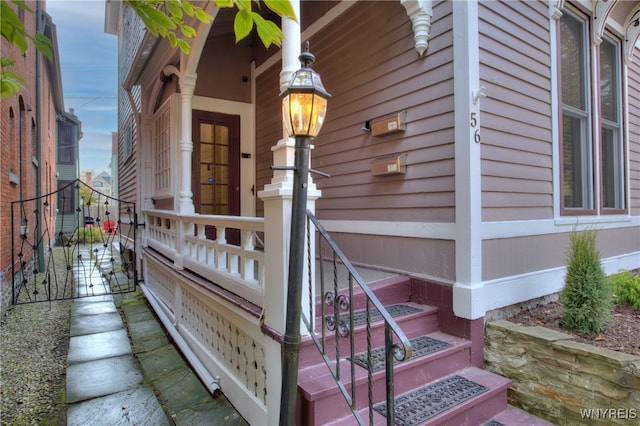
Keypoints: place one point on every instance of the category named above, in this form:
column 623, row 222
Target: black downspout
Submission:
column 292, row 339
column 38, row 130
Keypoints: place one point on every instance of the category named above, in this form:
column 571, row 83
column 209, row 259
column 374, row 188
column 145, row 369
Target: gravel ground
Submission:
column 34, row 341
column 33, row 363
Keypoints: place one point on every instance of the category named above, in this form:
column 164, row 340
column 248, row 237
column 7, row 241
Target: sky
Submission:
column 89, row 67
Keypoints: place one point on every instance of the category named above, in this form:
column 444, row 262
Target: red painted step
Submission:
column 422, row 322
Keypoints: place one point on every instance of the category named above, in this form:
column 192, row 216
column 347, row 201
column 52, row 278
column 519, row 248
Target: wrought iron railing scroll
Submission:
column 338, row 324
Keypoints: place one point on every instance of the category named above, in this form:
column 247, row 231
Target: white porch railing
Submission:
column 237, row 268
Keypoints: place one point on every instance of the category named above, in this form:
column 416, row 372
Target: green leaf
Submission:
column 188, row 8
column 43, row 44
column 268, row 31
column 203, row 16
column 282, row 8
column 171, row 36
column 23, row 5
column 188, row 31
column 6, row 62
column 11, row 27
column 244, row 5
column 10, row 83
column 160, row 19
column 242, row 24
column 225, row 3
column 184, row 46
column 175, row 8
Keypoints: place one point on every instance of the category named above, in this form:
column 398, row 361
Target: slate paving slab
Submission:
column 88, row 324
column 180, row 390
column 93, row 308
column 98, row 345
column 101, row 377
column 137, row 406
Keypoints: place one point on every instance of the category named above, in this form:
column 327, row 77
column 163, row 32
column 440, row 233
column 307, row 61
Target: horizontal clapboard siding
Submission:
column 516, row 114
column 269, row 125
column 368, row 62
column 634, row 132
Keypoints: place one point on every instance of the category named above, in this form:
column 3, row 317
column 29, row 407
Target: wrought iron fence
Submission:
column 338, row 323
column 72, row 243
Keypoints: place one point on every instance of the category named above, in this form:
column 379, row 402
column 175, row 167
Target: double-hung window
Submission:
column 611, row 140
column 592, row 154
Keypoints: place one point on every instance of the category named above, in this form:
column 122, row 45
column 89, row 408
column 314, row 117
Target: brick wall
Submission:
column 18, row 127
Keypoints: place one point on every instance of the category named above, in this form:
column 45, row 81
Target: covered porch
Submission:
column 214, row 247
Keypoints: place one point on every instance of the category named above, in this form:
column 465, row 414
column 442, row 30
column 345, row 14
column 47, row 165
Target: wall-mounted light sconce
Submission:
column 386, row 166
column 24, row 228
column 388, row 125
column 367, row 126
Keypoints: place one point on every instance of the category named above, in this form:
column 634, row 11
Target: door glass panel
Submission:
column 222, row 135
column 206, row 172
column 222, row 193
column 207, row 209
column 206, row 132
column 222, row 154
column 214, row 168
column 221, row 174
column 206, row 153
column 217, row 168
column 206, row 194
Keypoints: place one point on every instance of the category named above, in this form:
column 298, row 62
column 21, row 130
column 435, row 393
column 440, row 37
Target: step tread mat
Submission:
column 426, row 402
column 423, row 345
column 360, row 317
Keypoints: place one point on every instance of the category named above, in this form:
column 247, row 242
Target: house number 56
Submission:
column 474, row 125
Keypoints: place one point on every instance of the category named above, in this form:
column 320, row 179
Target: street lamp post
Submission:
column 304, row 106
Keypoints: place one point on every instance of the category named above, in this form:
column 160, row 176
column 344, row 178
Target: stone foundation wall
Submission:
column 561, row 380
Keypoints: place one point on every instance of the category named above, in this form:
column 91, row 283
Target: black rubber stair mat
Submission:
column 426, row 402
column 423, row 345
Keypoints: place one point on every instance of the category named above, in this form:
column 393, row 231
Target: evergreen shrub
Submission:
column 89, row 235
column 626, row 288
column 586, row 296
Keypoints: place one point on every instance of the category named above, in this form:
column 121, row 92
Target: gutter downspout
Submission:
column 38, row 128
column 211, row 383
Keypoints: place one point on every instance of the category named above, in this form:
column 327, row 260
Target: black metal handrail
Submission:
column 338, row 322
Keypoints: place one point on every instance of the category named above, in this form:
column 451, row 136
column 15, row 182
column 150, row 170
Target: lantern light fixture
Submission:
column 304, row 101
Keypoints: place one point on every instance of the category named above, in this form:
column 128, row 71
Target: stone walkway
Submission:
column 128, row 372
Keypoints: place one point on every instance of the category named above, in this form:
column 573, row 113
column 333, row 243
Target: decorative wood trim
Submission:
column 632, row 34
column 420, row 12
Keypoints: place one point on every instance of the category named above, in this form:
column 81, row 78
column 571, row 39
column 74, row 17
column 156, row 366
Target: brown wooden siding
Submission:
column 427, row 258
column 228, row 78
column 268, row 125
column 127, row 173
column 505, row 257
column 516, row 114
column 368, row 63
column 634, row 132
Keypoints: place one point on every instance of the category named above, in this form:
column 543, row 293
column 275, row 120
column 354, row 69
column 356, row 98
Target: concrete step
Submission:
column 389, row 291
column 437, row 403
column 513, row 416
column 422, row 320
column 321, row 400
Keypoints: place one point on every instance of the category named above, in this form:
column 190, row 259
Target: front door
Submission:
column 216, row 167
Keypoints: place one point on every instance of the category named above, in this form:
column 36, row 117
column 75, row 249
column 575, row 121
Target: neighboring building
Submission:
column 28, row 133
column 113, row 165
column 69, row 135
column 465, row 141
column 101, row 183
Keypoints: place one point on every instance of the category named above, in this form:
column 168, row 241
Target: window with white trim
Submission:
column 611, row 140
column 162, row 167
column 592, row 152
